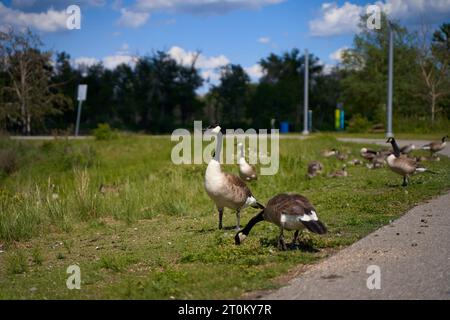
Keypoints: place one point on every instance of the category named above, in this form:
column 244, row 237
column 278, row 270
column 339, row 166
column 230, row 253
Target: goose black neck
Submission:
column 395, row 147
column 253, row 222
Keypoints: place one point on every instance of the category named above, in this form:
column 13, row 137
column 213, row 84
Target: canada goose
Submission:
column 403, row 166
column 329, row 153
column 109, row 189
column 289, row 212
column 247, row 172
column 314, row 168
column 436, row 146
column 379, row 161
column 339, row 174
column 226, row 190
column 368, row 154
column 355, row 162
column 341, row 156
column 407, row 149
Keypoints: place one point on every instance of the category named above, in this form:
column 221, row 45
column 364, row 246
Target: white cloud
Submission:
column 85, row 61
column 48, row 21
column 203, row 62
column 264, row 40
column 41, row 5
column 337, row 55
column 111, row 62
column 336, row 20
column 138, row 13
column 132, row 19
column 255, row 72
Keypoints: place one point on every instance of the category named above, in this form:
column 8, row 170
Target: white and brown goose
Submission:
column 247, row 172
column 289, row 212
column 226, row 190
column 436, row 146
column 403, row 165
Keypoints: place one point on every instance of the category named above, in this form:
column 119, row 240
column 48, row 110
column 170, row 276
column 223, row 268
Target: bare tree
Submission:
column 434, row 60
column 28, row 95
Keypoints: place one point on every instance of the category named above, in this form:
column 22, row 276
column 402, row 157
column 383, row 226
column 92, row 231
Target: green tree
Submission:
column 364, row 85
column 280, row 92
column 232, row 95
column 29, row 96
column 434, row 60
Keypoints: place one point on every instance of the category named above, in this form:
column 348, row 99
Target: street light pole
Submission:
column 305, row 111
column 390, row 132
column 77, row 127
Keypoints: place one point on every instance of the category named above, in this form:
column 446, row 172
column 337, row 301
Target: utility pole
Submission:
column 390, row 132
column 306, row 98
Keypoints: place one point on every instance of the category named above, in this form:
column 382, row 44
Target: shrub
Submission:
column 9, row 162
column 104, row 132
column 17, row 263
column 358, row 124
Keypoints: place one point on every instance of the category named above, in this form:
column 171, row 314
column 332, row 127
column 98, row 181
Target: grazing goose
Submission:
column 226, row 190
column 289, row 212
column 246, row 172
column 436, row 146
column 402, row 165
column 314, row 168
column 339, row 174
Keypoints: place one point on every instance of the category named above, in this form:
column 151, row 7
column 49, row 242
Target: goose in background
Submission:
column 226, row 190
column 407, row 149
column 378, row 161
column 339, row 174
column 289, row 212
column 402, row 165
column 247, row 172
column 436, row 146
column 368, row 154
column 341, row 156
column 314, row 168
column 328, row 153
column 355, row 162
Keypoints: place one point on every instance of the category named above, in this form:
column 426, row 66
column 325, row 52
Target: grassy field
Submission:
column 152, row 232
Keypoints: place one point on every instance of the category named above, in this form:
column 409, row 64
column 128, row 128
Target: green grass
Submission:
column 152, row 233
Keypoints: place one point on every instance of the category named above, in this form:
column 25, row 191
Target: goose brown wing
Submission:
column 238, row 186
column 289, row 204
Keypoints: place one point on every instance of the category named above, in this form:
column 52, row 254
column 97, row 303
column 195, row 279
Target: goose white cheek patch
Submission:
column 309, row 217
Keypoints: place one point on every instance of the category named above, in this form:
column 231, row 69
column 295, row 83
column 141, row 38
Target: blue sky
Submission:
column 225, row 31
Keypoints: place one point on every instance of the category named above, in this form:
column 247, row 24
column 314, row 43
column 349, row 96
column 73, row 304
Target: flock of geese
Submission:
column 293, row 212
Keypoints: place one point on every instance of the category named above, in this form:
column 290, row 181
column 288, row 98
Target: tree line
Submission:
column 157, row 94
